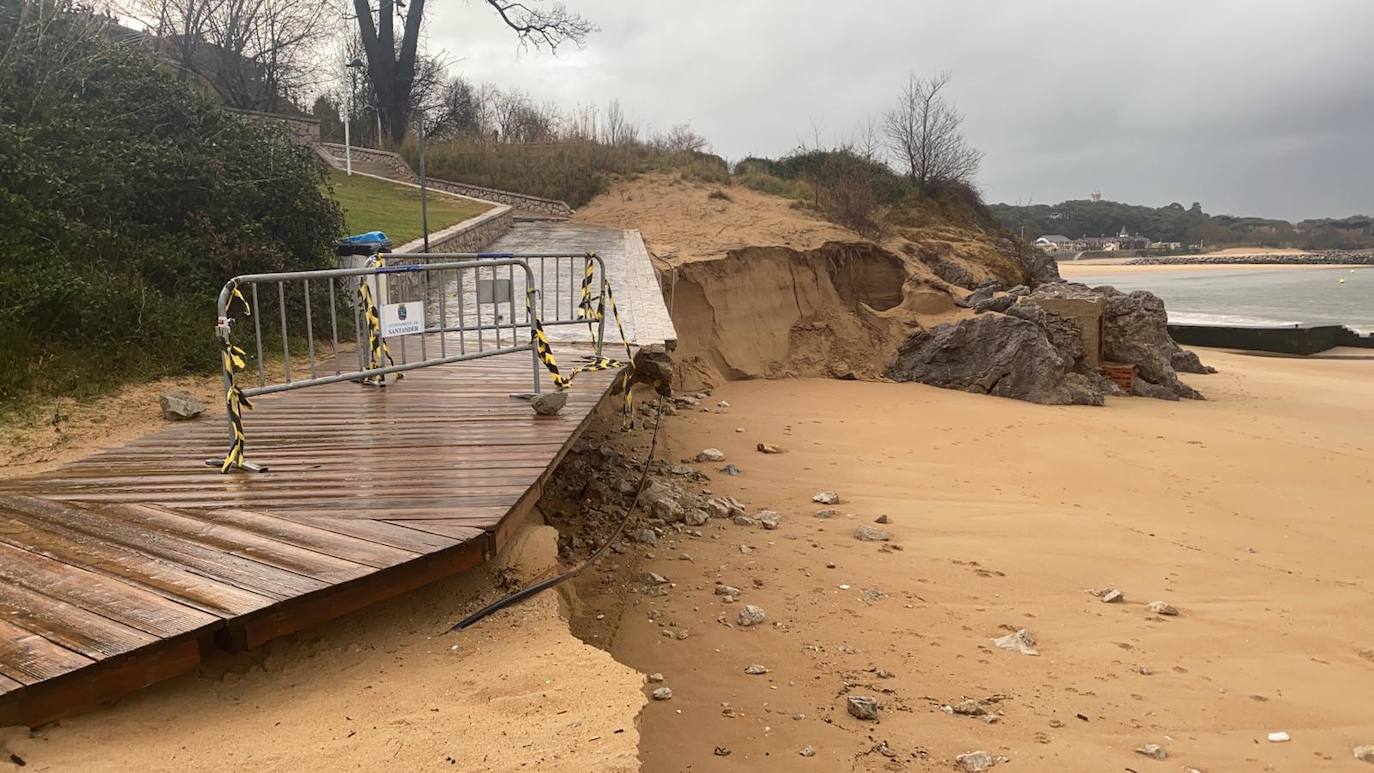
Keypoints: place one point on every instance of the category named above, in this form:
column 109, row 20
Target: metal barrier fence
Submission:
column 460, row 306
column 566, row 283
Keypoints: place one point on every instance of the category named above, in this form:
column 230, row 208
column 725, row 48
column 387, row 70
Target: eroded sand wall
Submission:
column 772, row 312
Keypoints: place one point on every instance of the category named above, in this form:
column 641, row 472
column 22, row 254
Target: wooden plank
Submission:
column 394, row 535
column 27, row 657
column 117, row 599
column 214, row 565
column 301, row 613
column 459, row 530
column 95, row 636
column 87, row 688
column 363, row 551
column 240, row 542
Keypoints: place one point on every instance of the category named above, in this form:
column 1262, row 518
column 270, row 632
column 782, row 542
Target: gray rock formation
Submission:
column 1040, row 268
column 999, row 304
column 1185, row 361
column 992, row 354
column 1135, row 331
column 950, row 272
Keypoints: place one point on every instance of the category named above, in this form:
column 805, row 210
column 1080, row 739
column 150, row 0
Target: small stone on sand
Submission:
column 755, row 669
column 1112, row 596
column 826, row 498
column 750, row 615
column 1161, row 608
column 1154, row 751
column 862, row 707
column 1022, row 641
column 969, row 708
column 974, row 762
column 663, row 694
column 870, row 534
column 768, row 448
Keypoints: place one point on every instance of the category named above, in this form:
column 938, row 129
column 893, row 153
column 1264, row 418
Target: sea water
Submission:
column 1259, row 297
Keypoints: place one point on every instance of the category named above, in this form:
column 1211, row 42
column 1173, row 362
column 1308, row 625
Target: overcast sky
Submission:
column 1257, row 107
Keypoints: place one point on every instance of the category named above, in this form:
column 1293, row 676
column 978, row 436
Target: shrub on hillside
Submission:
column 575, row 171
column 126, row 200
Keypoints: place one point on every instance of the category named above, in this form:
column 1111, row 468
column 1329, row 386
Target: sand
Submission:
column 1248, row 512
column 681, row 223
column 383, row 689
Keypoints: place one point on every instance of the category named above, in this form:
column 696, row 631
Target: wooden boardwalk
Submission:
column 130, row 566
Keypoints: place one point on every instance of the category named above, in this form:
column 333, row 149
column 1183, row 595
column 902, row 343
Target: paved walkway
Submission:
column 632, row 276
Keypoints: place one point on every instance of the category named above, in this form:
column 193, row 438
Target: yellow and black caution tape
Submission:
column 233, row 359
column 584, row 306
column 587, row 312
column 377, row 350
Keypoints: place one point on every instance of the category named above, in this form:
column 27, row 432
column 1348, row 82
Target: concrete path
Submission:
column 633, row 280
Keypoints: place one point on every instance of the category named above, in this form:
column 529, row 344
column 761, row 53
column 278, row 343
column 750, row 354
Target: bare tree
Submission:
column 681, row 137
column 455, row 111
column 924, row 133
column 253, row 53
column 391, row 64
column 868, row 140
column 619, row 129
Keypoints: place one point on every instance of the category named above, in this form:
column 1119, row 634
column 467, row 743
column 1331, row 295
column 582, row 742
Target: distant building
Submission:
column 1055, row 243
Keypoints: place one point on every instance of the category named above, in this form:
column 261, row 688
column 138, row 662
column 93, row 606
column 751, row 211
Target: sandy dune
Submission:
column 1248, row 512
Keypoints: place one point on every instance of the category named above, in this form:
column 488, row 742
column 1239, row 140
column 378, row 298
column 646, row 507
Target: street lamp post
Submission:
column 424, row 201
column 353, row 67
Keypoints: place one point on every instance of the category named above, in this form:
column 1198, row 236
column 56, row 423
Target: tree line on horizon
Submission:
column 1081, row 218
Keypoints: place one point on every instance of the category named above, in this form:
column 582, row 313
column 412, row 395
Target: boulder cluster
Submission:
column 1019, row 347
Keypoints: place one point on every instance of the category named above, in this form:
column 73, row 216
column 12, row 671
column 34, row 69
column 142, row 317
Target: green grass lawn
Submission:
column 370, row 204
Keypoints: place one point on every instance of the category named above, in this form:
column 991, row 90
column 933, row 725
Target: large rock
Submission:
column 180, row 405
column 1040, row 268
column 992, row 354
column 1062, row 333
column 1185, row 361
column 654, row 366
column 1135, row 331
column 999, row 304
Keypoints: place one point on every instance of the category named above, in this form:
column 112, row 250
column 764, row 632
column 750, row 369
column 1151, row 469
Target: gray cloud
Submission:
column 1259, row 107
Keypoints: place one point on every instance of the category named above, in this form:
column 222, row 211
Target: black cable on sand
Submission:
column 537, row 588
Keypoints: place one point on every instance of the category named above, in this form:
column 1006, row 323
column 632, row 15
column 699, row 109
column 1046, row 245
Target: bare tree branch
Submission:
column 543, row 25
column 924, row 133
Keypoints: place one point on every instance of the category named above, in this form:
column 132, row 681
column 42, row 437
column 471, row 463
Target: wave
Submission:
column 1227, row 320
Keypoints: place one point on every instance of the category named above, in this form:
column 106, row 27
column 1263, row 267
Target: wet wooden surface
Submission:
column 119, row 569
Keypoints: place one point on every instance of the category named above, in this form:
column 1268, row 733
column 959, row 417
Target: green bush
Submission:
column 126, row 201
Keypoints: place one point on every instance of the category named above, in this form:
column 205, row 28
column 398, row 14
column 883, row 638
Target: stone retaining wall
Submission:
column 301, row 128
column 471, row 235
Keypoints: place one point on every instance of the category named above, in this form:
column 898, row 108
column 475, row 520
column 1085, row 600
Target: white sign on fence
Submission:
column 399, row 319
